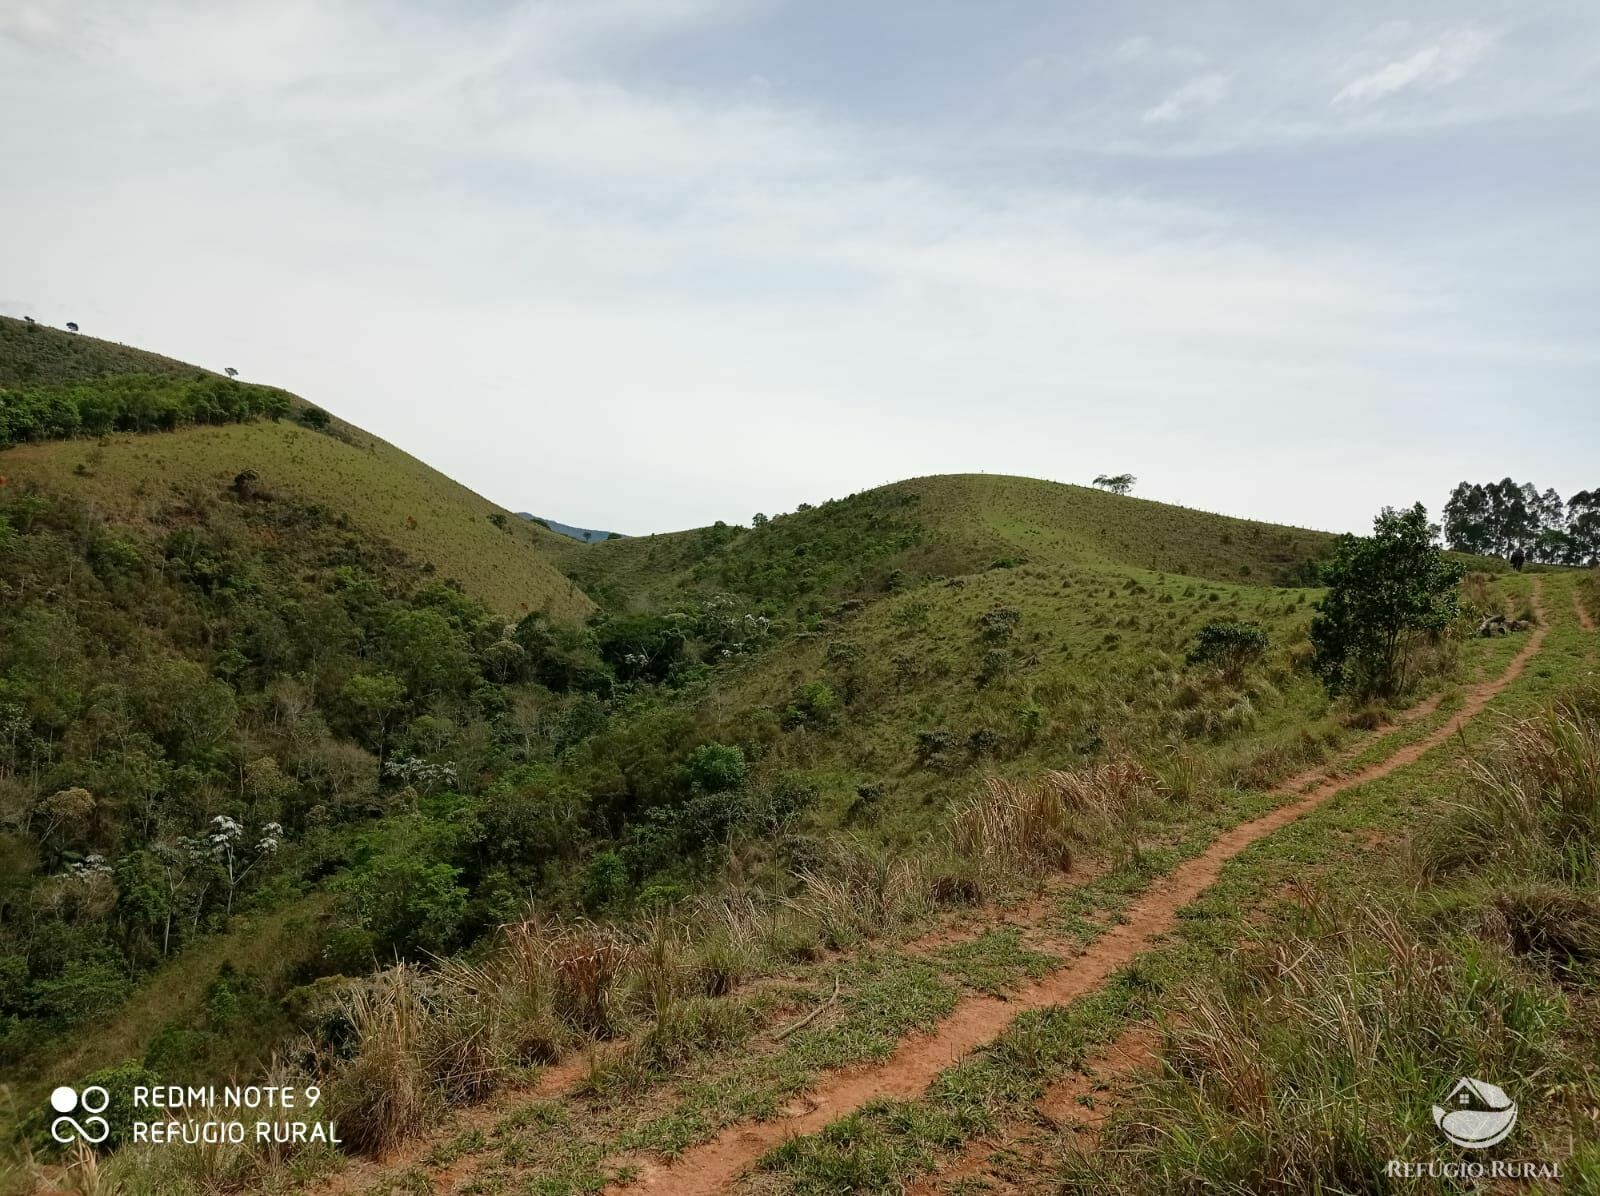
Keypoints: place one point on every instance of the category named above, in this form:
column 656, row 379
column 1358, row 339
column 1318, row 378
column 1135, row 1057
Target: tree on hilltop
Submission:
column 1508, row 518
column 1117, row 483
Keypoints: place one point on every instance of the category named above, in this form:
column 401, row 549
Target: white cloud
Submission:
column 1204, row 91
column 634, row 303
column 1434, row 65
column 31, row 20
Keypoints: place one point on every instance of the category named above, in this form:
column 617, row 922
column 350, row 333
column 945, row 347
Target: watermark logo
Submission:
column 1475, row 1114
column 92, row 1101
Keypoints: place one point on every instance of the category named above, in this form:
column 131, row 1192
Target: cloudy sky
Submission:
column 643, row 264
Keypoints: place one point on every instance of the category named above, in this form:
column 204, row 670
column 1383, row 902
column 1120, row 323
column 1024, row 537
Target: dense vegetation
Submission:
column 1503, row 518
column 209, row 719
column 135, row 403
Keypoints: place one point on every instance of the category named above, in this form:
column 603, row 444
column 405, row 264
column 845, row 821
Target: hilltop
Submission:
column 448, row 531
column 36, row 353
column 946, row 525
column 586, row 535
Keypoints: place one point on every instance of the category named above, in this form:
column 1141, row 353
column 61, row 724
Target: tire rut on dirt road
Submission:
column 713, row 1166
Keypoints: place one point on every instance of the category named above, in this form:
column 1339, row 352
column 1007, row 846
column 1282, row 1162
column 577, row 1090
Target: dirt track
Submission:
column 713, row 1167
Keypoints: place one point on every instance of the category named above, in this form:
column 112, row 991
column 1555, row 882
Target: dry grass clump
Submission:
column 1181, row 775
column 419, row 1041
column 734, row 929
column 1021, row 830
column 383, row 1093
column 862, row 892
column 585, row 962
column 423, row 1040
column 1534, row 804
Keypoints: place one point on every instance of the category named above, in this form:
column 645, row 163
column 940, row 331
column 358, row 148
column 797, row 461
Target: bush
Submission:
column 1229, row 646
column 716, row 768
column 605, row 882
column 119, row 1083
column 815, row 706
column 410, row 906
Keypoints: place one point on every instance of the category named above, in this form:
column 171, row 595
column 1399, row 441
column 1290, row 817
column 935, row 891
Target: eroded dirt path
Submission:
column 1078, row 1104
column 1585, row 619
column 715, row 1165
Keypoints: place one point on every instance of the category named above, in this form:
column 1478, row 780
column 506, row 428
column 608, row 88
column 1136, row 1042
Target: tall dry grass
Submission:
column 1301, row 1066
column 1017, row 831
column 862, row 891
column 1532, row 806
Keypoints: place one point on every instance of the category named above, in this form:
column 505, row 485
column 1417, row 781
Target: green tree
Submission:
column 1385, row 591
column 428, row 651
column 1117, row 483
column 410, row 905
column 716, row 768
column 375, row 697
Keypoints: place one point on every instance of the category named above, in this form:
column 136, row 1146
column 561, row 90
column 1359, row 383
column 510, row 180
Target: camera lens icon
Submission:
column 92, row 1101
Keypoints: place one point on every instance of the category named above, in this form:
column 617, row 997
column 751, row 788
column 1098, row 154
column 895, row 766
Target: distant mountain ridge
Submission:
column 586, row 535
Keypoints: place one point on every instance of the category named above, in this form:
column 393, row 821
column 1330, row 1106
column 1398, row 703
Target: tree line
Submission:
column 137, row 403
column 1505, row 518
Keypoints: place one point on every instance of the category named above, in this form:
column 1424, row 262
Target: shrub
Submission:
column 410, row 905
column 1229, row 646
column 815, row 706
column 605, row 882
column 716, row 767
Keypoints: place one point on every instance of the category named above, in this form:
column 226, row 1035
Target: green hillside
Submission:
column 449, row 532
column 942, row 526
column 34, row 353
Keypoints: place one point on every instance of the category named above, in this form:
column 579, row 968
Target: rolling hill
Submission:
column 948, row 525
column 449, row 531
column 35, row 353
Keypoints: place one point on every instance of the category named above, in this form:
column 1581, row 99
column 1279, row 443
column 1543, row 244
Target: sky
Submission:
column 646, row 264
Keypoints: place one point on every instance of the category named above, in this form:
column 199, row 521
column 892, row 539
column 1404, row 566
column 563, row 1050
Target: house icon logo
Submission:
column 1475, row 1114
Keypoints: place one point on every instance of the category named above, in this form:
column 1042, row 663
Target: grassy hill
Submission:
column 448, row 531
column 34, row 353
column 587, row 535
column 946, row 525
